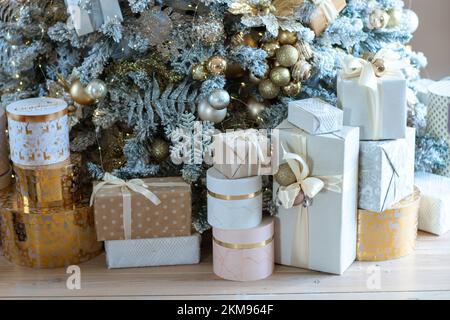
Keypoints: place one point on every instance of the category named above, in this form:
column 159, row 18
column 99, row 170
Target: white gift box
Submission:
column 233, row 203
column 5, row 166
column 38, row 131
column 434, row 212
column 386, row 172
column 153, row 252
column 90, row 19
column 438, row 119
column 321, row 237
column 315, row 116
column 384, row 120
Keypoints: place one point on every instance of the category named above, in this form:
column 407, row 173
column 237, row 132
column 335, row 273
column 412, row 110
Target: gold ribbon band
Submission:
column 232, row 198
column 43, row 118
column 243, row 246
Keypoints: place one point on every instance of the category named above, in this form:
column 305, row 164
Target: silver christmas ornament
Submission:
column 97, row 89
column 207, row 113
column 219, row 99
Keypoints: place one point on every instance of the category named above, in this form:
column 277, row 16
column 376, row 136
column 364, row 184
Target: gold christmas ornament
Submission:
column 305, row 51
column 219, row 99
column 287, row 37
column 255, row 108
column 270, row 48
column 287, row 55
column 97, row 89
column 199, row 72
column 280, row 76
column 268, row 89
column 159, row 150
column 285, row 176
column 378, row 19
column 301, row 71
column 395, row 18
column 379, row 67
column 292, row 89
column 207, row 113
column 216, row 65
column 79, row 94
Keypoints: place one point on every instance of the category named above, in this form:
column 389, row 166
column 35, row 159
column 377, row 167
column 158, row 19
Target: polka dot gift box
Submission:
column 141, row 209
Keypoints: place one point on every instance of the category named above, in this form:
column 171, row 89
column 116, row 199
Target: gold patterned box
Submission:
column 390, row 234
column 142, row 209
column 49, row 186
column 325, row 13
column 48, row 238
column 38, row 131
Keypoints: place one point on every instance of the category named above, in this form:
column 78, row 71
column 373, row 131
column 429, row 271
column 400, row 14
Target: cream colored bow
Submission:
column 136, row 185
column 328, row 8
column 310, row 186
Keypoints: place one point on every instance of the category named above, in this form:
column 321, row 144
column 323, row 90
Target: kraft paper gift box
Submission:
column 434, row 213
column 5, row 167
column 390, row 234
column 326, row 12
column 88, row 20
column 319, row 233
column 375, row 104
column 233, row 203
column 315, row 116
column 153, row 252
column 438, row 118
column 141, row 209
column 38, row 131
column 244, row 255
column 386, row 172
column 243, row 153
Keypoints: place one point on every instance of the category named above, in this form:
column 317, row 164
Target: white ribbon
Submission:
column 136, row 185
column 328, row 8
column 356, row 67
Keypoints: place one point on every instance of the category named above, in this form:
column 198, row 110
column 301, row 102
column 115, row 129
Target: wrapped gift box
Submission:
column 124, row 214
column 386, row 172
column 386, row 122
column 5, row 167
column 324, row 14
column 243, row 153
column 315, row 116
column 434, row 213
column 390, row 234
column 38, row 131
column 438, row 120
column 46, row 238
column 322, row 235
column 244, row 255
column 90, row 19
column 153, row 252
column 233, row 203
column 421, row 87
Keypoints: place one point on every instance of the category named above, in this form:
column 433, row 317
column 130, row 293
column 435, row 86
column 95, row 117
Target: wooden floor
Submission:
column 423, row 275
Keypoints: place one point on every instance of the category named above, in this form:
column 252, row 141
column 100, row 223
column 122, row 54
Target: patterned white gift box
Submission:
column 315, row 116
column 434, row 213
column 38, row 131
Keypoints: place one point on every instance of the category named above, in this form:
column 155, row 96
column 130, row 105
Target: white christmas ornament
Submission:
column 207, row 113
column 412, row 20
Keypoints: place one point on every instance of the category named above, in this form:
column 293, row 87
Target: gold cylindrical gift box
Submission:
column 46, row 238
column 52, row 186
column 390, row 234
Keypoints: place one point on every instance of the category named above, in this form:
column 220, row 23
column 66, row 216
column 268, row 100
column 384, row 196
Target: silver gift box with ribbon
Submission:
column 373, row 96
column 88, row 16
column 315, row 116
column 319, row 231
column 386, row 172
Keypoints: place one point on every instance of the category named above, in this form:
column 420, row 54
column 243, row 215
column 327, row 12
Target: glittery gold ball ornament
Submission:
column 287, row 55
column 270, row 48
column 378, row 19
column 285, row 176
column 287, row 37
column 216, row 65
column 159, row 150
column 79, row 94
column 255, row 108
column 292, row 89
column 199, row 72
column 268, row 89
column 305, row 51
column 207, row 113
column 219, row 99
column 97, row 89
column 301, row 71
column 280, row 76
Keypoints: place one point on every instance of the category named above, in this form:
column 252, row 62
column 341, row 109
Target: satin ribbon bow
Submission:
column 328, row 8
column 136, row 185
column 310, row 186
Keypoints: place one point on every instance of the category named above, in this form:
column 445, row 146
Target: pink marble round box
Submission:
column 244, row 255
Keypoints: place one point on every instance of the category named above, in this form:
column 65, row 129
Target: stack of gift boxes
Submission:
column 44, row 220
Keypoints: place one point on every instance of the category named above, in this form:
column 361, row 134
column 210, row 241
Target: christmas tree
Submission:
column 139, row 75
